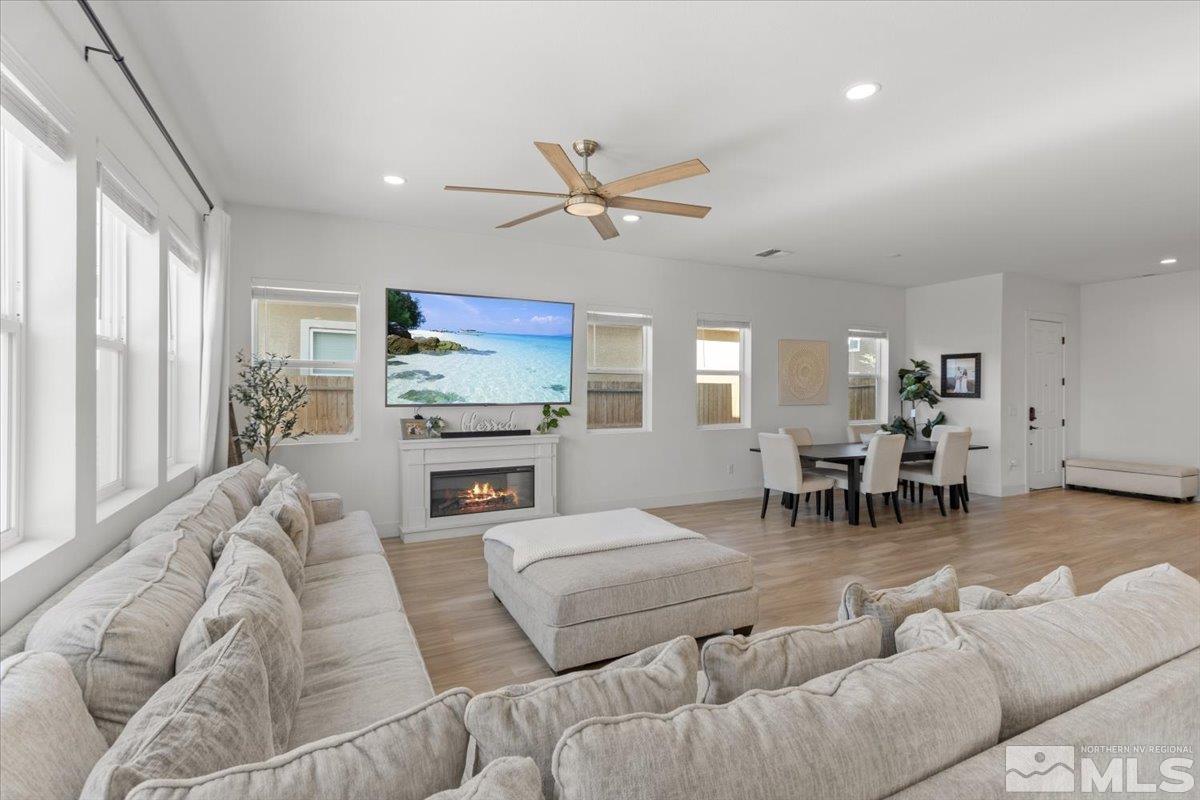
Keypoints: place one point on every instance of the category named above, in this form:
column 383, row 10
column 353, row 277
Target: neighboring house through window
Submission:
column 722, row 373
column 868, row 369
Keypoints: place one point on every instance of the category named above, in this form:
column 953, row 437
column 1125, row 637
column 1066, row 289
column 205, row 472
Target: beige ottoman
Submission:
column 1162, row 480
column 578, row 609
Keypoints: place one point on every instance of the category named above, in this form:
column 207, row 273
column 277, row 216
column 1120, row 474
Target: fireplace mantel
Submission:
column 420, row 458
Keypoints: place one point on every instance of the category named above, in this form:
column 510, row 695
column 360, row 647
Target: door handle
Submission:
column 1034, row 427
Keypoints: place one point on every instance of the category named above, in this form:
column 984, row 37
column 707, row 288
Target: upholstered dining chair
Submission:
column 880, row 474
column 855, row 432
column 947, row 470
column 782, row 471
column 803, row 438
column 936, row 436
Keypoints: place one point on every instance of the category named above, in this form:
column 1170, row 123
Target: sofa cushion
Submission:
column 260, row 528
column 240, row 485
column 205, row 511
column 1166, row 470
column 1058, row 584
column 274, row 476
column 48, row 740
column 863, row 732
column 1049, row 658
column 776, row 659
column 352, row 535
column 348, row 589
column 211, row 716
column 892, row 606
column 285, row 507
column 502, row 779
column 528, row 719
column 406, row 756
column 356, row 672
column 120, row 629
column 247, row 584
column 295, row 484
column 580, row 588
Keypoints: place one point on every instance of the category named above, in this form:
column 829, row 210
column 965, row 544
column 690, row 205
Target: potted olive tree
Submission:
column 272, row 403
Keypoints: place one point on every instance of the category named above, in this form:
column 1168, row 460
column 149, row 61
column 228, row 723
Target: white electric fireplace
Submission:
column 463, row 486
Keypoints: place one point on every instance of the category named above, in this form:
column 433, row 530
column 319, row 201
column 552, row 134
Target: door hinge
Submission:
column 1064, row 423
column 1064, row 340
column 1064, row 381
column 1062, row 464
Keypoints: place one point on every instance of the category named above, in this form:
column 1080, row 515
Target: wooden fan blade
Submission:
column 562, row 165
column 534, row 215
column 659, row 207
column 503, row 191
column 604, row 226
column 655, row 177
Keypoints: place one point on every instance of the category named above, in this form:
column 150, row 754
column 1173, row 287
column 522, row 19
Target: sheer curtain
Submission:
column 214, row 362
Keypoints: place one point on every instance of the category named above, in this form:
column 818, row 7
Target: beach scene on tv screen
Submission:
column 452, row 349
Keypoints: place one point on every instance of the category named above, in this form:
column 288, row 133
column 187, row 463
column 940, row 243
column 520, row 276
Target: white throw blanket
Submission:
column 553, row 537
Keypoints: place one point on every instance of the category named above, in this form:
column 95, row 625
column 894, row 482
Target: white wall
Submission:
column 964, row 317
column 1141, row 369
column 65, row 532
column 1027, row 297
column 673, row 463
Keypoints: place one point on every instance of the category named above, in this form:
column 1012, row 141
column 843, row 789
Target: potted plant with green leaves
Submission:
column 916, row 388
column 551, row 416
column 272, row 403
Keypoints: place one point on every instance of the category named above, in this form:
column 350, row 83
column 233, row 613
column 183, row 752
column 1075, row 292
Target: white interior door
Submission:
column 1046, row 417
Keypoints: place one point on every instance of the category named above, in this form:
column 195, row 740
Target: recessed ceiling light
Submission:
column 1169, row 261
column 631, row 218
column 861, row 91
column 393, row 180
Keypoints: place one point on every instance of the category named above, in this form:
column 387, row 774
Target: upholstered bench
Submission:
column 1162, row 480
column 582, row 607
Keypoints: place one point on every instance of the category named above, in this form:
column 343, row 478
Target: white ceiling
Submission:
column 1061, row 139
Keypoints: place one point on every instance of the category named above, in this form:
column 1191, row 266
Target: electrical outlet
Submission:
column 730, row 469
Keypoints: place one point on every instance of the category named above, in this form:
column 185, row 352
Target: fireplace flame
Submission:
column 485, row 493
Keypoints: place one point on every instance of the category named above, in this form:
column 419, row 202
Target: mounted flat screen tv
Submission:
column 467, row 350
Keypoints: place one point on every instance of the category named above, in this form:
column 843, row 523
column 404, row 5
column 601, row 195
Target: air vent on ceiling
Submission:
column 774, row 252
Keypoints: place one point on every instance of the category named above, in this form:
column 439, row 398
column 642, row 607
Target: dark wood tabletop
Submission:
column 845, row 452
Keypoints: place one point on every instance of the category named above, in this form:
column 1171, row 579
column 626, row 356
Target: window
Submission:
column 313, row 332
column 183, row 351
column 722, row 373
column 12, row 330
column 867, row 376
column 618, row 365
column 124, row 227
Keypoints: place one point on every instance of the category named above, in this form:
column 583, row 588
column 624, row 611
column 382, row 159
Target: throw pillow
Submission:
column 1052, row 657
column 295, row 484
column 275, row 475
column 866, row 731
column 247, row 584
column 285, row 507
column 48, row 740
column 211, row 716
column 784, row 657
column 892, row 606
column 120, row 629
column 408, row 756
column 261, row 528
column 528, row 719
column 503, row 779
column 1058, row 584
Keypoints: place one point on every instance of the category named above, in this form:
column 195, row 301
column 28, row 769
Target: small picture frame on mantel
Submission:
column 962, row 375
column 413, row 429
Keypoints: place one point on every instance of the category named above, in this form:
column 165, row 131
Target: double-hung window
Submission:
column 12, row 331
column 618, row 366
column 124, row 222
column 313, row 332
column 867, row 377
column 183, row 350
column 722, row 373
column 33, row 147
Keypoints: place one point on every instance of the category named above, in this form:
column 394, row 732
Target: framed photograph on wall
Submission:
column 961, row 375
column 413, row 429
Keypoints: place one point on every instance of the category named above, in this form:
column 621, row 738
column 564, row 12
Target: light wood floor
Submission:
column 468, row 639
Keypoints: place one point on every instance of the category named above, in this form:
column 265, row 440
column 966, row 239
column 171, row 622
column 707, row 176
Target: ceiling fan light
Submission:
column 585, row 205
column 861, row 91
column 631, row 218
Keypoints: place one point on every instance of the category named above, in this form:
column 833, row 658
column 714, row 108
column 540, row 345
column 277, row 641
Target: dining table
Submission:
column 853, row 454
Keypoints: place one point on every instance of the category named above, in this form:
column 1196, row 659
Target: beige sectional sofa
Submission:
column 1118, row 667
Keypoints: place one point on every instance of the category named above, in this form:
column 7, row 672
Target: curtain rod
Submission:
column 120, row 62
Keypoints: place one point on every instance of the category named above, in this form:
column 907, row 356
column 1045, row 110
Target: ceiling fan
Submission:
column 587, row 197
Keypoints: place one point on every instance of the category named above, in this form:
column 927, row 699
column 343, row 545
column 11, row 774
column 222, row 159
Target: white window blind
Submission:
column 611, row 318
column 181, row 248
column 127, row 199
column 19, row 102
